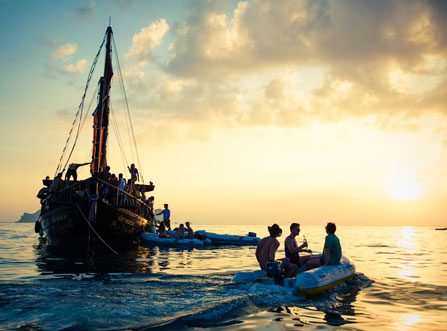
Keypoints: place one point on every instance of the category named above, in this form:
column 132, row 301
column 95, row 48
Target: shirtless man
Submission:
column 267, row 247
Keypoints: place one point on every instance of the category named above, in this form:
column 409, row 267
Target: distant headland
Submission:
column 29, row 218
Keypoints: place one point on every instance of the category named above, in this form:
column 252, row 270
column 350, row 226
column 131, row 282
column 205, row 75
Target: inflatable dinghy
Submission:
column 309, row 283
column 154, row 239
column 227, row 239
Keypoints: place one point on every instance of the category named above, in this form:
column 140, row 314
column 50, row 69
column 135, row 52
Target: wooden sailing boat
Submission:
column 94, row 209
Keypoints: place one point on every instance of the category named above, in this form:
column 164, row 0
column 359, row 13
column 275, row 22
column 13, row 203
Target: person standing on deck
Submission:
column 72, row 170
column 134, row 176
column 121, row 188
column 166, row 216
column 57, row 184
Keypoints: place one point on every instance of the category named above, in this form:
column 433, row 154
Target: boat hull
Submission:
column 321, row 279
column 153, row 239
column 66, row 226
column 308, row 283
column 226, row 239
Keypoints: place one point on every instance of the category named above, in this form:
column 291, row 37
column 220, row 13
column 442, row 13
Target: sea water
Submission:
column 401, row 284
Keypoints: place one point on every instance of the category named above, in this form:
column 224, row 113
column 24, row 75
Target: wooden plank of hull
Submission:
column 64, row 226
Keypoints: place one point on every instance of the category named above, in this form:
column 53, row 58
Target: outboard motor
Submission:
column 275, row 270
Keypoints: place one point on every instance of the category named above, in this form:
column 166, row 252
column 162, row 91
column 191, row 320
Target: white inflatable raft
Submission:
column 154, row 239
column 227, row 239
column 308, row 283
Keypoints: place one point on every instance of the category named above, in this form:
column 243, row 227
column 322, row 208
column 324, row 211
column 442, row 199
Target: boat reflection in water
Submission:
column 140, row 259
column 51, row 260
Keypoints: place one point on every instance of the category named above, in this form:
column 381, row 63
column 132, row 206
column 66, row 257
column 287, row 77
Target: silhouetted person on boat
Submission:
column 166, row 216
column 266, row 249
column 180, row 232
column 57, row 184
column 292, row 250
column 43, row 193
column 121, row 187
column 105, row 174
column 332, row 248
column 134, row 176
column 162, row 230
column 113, row 189
column 189, row 230
column 72, row 170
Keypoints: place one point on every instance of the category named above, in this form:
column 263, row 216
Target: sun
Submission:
column 406, row 191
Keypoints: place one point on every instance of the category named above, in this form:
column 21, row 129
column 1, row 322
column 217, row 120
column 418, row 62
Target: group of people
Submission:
column 294, row 263
column 118, row 191
column 165, row 225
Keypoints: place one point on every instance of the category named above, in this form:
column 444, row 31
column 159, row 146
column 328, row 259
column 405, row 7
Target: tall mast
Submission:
column 101, row 113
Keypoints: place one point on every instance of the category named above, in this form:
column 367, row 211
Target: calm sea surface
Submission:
column 401, row 284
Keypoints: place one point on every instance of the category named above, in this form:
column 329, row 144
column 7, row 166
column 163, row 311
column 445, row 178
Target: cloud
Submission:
column 147, row 39
column 87, row 9
column 64, row 51
column 265, row 33
column 77, row 67
column 291, row 63
column 379, row 56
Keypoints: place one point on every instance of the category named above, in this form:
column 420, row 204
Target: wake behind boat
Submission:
column 75, row 213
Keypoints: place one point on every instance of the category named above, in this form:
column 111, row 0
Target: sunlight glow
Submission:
column 406, row 191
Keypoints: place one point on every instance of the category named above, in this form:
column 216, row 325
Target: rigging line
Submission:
column 94, row 231
column 118, row 137
column 92, row 69
column 89, row 107
column 124, row 107
column 127, row 107
column 80, row 109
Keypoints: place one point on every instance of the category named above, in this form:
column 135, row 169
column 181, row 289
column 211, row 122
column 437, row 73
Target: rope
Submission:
column 79, row 113
column 127, row 108
column 94, row 231
column 89, row 107
column 116, row 131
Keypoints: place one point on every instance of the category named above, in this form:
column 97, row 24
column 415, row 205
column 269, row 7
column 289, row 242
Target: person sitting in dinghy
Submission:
column 292, row 249
column 180, row 232
column 189, row 230
column 332, row 248
column 266, row 249
column 162, row 230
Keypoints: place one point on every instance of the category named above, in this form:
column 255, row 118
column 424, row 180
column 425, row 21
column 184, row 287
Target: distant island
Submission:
column 29, row 218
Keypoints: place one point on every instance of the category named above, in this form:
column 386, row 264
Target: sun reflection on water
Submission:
column 410, row 319
column 407, row 241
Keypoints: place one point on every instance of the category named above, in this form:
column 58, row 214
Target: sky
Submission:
column 244, row 112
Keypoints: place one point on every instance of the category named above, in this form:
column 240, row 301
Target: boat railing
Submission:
column 123, row 199
column 108, row 194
